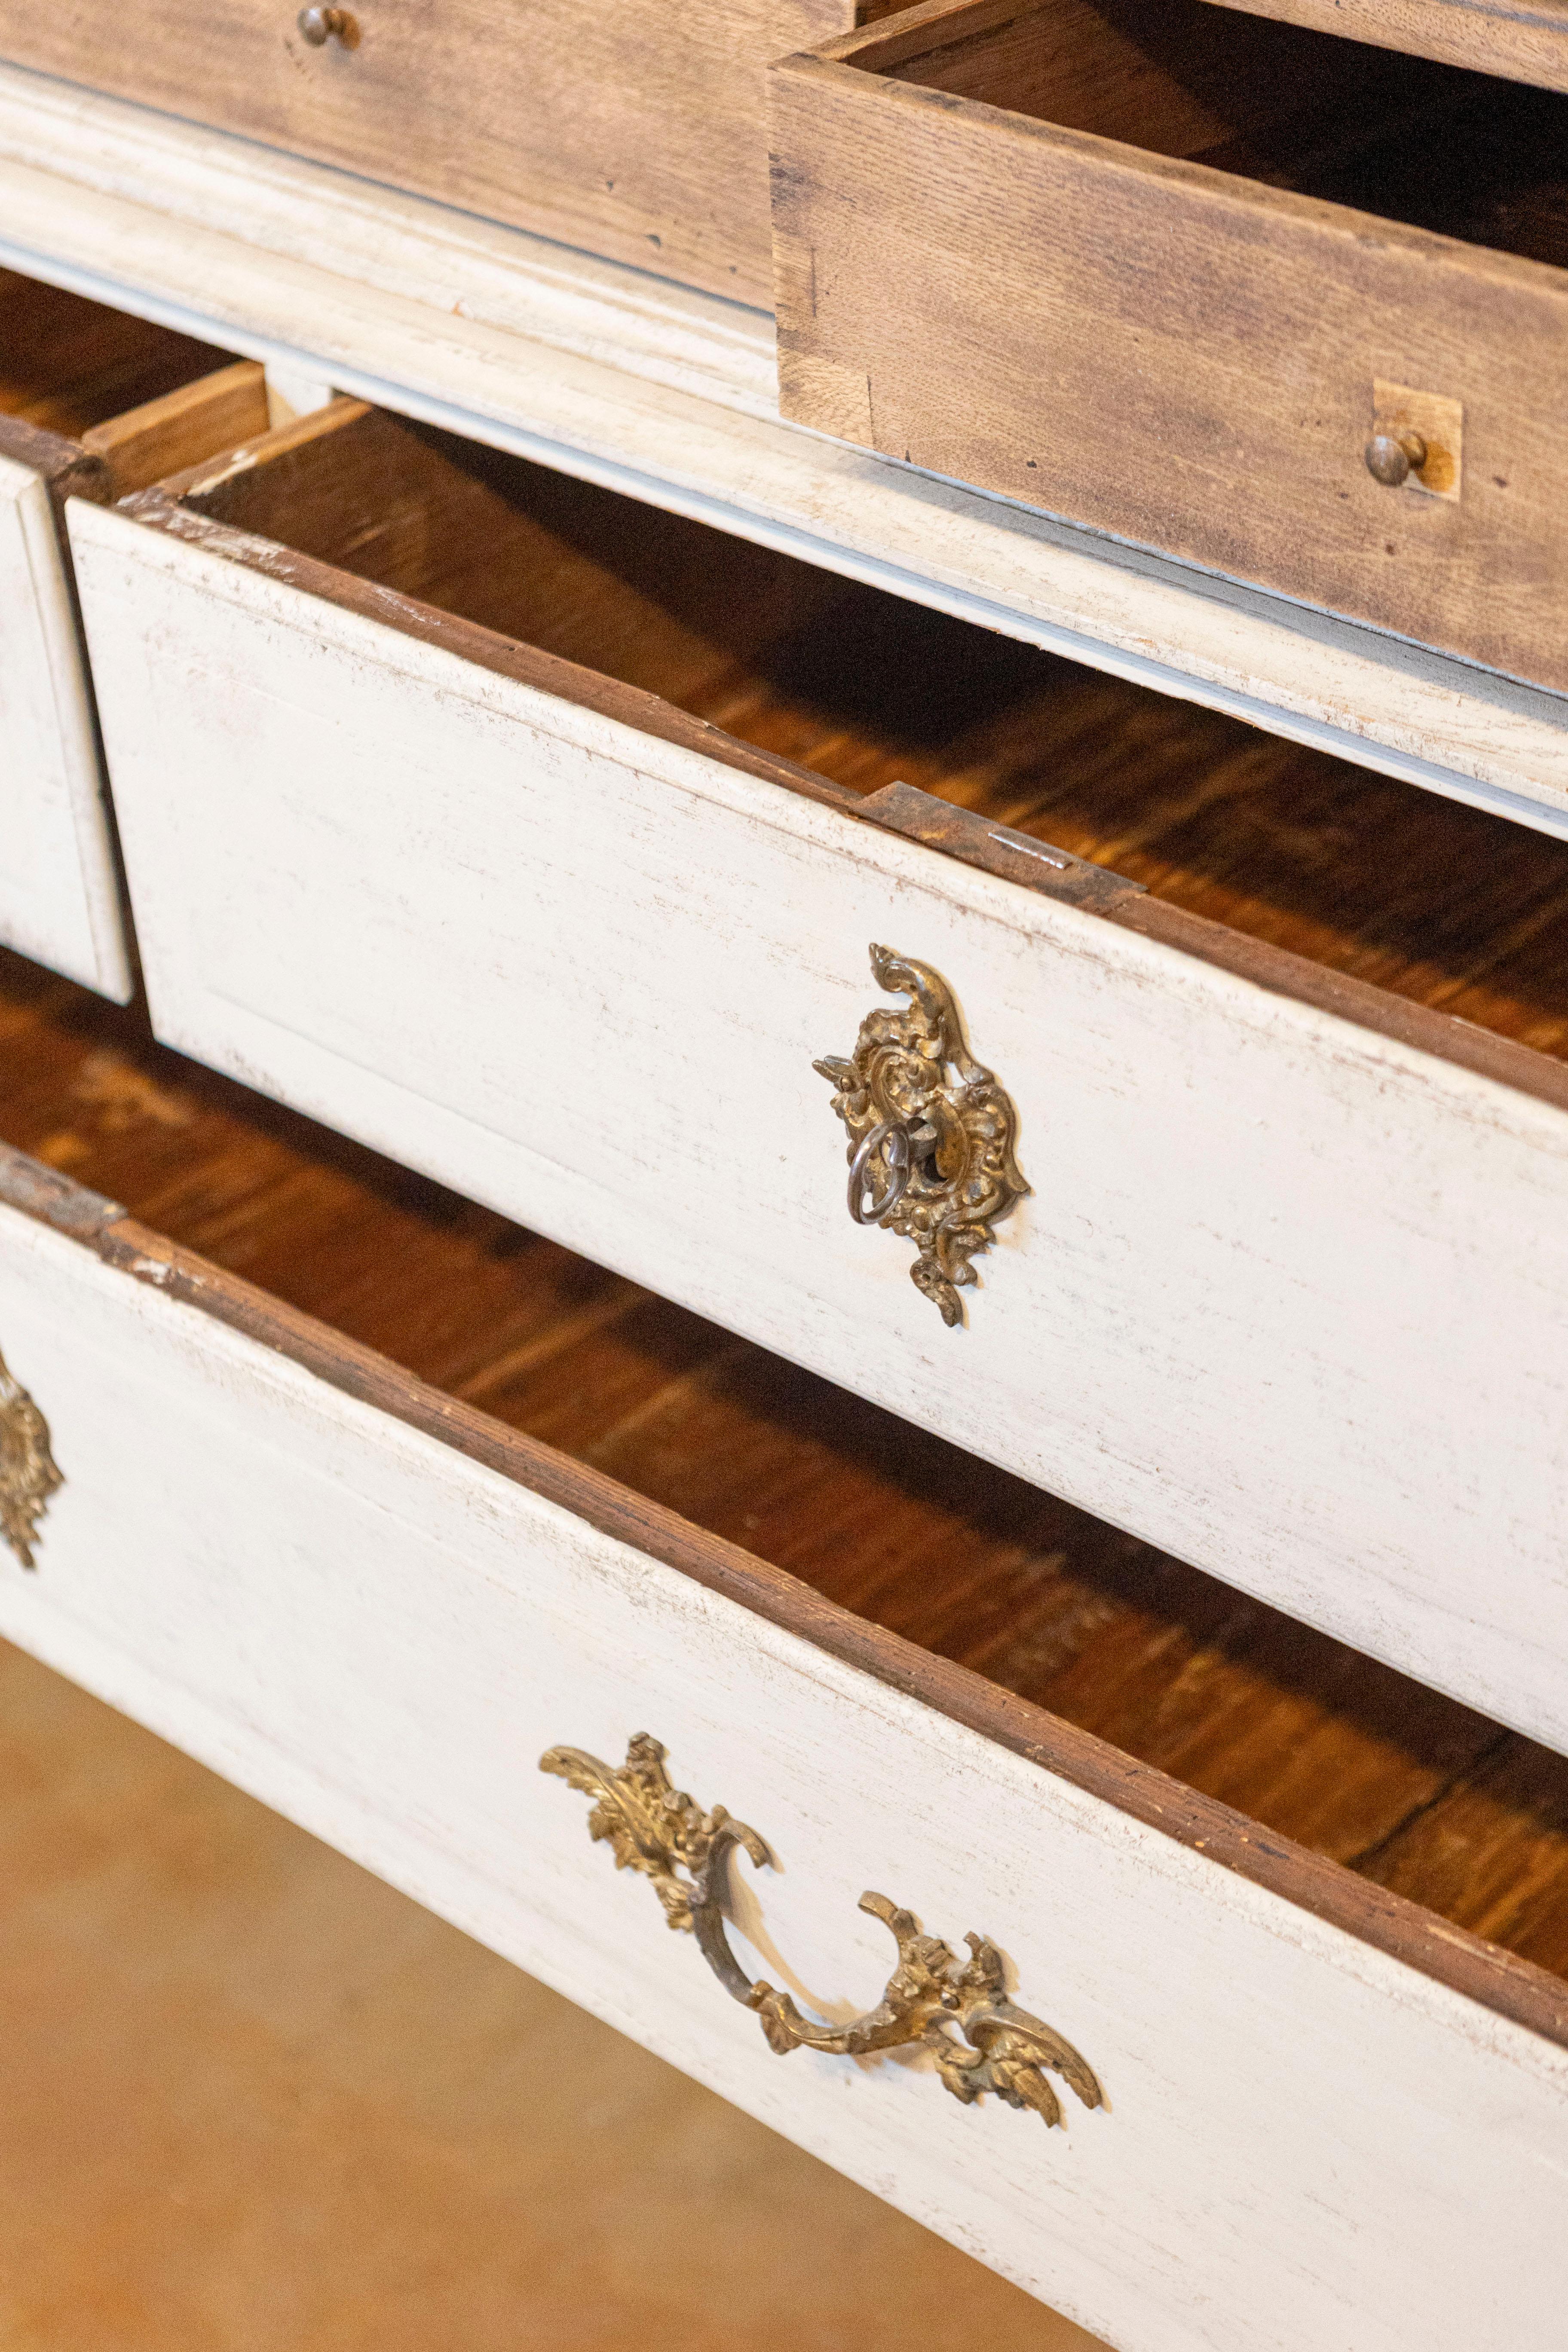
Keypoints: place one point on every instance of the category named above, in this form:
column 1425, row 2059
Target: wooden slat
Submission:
column 66, row 364
column 177, row 430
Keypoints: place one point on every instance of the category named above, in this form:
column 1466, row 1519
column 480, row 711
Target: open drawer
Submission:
column 1289, row 1292
column 92, row 404
column 375, row 1568
column 1284, row 306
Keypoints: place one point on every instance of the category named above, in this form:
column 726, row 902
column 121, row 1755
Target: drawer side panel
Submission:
column 1182, row 360
column 59, row 899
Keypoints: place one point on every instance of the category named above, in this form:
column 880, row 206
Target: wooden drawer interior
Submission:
column 1358, row 873
column 1171, row 270
column 140, row 398
column 1390, row 1789
column 67, row 364
column 1464, row 154
column 1528, row 45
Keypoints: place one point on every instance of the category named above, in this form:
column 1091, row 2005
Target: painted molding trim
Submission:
column 667, row 394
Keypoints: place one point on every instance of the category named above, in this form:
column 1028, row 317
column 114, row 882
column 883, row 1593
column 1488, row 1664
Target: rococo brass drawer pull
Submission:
column 651, row 1827
column 27, row 1473
column 929, row 1156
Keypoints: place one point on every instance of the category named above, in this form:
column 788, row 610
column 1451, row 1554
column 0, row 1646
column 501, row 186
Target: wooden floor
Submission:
column 253, row 2101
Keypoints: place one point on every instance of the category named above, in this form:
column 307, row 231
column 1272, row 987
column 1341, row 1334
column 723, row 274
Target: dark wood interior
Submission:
column 1432, row 145
column 1444, row 905
column 66, row 364
column 1308, row 1737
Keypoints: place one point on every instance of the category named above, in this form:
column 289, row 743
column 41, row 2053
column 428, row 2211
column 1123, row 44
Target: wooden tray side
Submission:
column 1179, row 357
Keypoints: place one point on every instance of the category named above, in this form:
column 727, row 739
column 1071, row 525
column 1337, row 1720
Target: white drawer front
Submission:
column 1289, row 1297
column 1306, row 2143
column 58, row 896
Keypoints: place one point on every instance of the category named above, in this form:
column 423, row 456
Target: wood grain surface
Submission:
column 637, row 131
column 1059, row 284
column 67, row 364
column 1529, row 42
column 1312, row 1741
column 255, row 2101
column 1359, row 874
column 163, row 436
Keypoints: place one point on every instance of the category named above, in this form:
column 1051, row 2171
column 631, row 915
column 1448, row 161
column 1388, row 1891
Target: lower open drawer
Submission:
column 376, row 1599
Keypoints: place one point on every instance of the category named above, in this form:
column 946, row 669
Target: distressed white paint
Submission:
column 58, row 894
column 1307, row 2144
column 1289, row 1298
column 669, row 394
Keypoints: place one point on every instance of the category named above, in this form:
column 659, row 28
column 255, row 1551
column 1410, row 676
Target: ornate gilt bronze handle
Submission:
column 930, row 1156
column 652, row 1827
column 27, row 1473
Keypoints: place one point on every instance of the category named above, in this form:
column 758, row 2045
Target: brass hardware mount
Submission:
column 1393, row 457
column 28, row 1475
column 320, row 26
column 930, row 1157
column 653, row 1827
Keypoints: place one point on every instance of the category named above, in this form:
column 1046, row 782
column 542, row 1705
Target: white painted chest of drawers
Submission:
column 549, row 928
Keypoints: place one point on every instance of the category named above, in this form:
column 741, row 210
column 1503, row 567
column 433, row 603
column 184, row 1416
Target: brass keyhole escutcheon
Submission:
column 931, row 1133
column 652, row 1827
column 28, row 1475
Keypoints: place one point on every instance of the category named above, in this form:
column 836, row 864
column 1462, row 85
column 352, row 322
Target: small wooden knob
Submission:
column 1393, row 457
column 321, row 25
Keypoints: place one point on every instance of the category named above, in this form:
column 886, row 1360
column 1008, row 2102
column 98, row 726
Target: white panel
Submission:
column 1288, row 1298
column 1307, row 2144
column 671, row 396
column 59, row 898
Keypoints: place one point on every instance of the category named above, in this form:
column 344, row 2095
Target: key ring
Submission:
column 896, row 1138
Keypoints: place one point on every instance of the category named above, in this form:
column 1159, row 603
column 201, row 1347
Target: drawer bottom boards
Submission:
column 1333, row 2114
